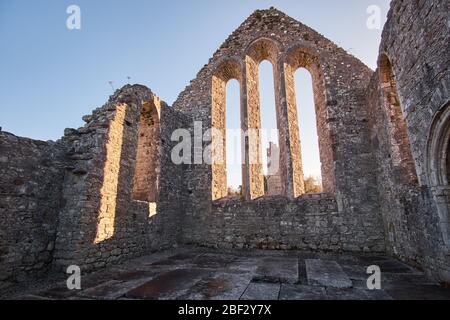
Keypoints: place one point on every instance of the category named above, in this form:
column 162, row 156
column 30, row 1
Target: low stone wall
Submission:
column 311, row 222
column 31, row 175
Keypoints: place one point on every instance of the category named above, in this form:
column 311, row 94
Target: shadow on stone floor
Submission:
column 204, row 274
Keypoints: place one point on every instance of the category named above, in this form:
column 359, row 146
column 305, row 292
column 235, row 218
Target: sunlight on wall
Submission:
column 108, row 193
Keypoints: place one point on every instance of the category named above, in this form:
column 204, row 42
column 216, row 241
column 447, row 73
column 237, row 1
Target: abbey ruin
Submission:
column 109, row 191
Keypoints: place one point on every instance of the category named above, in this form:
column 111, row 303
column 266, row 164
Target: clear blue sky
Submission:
column 51, row 76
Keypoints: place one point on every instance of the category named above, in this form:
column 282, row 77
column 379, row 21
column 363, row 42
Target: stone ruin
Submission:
column 109, row 191
column 273, row 177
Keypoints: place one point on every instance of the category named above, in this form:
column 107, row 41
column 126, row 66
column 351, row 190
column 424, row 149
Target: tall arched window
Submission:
column 146, row 175
column 233, row 140
column 312, row 116
column 263, row 117
column 404, row 167
column 269, row 130
column 228, row 70
column 307, row 122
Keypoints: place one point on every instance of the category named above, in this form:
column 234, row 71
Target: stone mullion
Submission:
column 289, row 134
column 219, row 174
column 251, row 124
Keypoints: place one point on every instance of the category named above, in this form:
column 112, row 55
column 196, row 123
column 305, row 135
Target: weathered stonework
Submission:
column 31, row 175
column 273, row 178
column 348, row 165
column 101, row 217
column 415, row 214
column 147, row 172
column 110, row 191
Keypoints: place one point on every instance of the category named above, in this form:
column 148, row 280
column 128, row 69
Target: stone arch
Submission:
column 258, row 51
column 438, row 167
column 147, row 168
column 227, row 70
column 303, row 57
column 263, row 49
column 438, row 144
column 404, row 166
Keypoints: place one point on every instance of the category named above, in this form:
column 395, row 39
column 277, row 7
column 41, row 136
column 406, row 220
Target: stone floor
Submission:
column 195, row 274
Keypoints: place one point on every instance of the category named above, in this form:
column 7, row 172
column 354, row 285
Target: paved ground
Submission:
column 257, row 275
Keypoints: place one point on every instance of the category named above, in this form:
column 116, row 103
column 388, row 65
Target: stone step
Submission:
column 326, row 273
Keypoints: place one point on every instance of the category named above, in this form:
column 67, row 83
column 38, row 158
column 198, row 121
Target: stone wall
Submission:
column 312, row 222
column 415, row 40
column 146, row 174
column 72, row 202
column 101, row 222
column 31, row 175
column 348, row 165
column 273, row 178
column 173, row 189
column 110, row 190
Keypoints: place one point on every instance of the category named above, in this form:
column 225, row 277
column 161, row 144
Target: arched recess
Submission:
column 404, row 167
column 230, row 69
column 147, row 169
column 260, row 50
column 302, row 58
column 438, row 167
